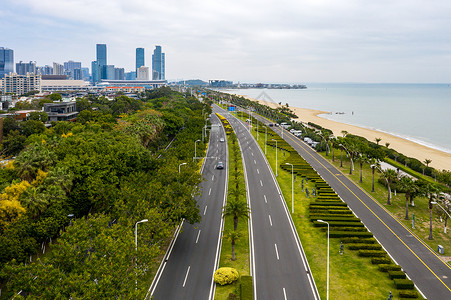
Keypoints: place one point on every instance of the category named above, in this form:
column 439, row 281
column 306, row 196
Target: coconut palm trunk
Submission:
column 372, row 188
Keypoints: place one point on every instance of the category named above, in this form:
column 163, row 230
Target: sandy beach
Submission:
column 440, row 160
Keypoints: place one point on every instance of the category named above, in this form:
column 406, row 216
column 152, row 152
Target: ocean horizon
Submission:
column 416, row 112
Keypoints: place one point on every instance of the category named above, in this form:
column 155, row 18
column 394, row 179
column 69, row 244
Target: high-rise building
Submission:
column 77, row 74
column 85, row 72
column 108, row 72
column 6, row 61
column 58, row 69
column 101, row 54
column 158, row 64
column 70, row 66
column 95, row 71
column 119, row 73
column 24, row 68
column 21, row 84
column 130, row 75
column 139, row 58
column 142, row 73
column 45, row 70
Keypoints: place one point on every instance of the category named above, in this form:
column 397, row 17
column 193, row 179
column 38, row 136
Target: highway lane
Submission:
column 187, row 268
column 431, row 275
column 279, row 266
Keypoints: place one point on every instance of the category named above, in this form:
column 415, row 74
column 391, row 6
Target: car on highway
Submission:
column 222, row 140
column 220, row 165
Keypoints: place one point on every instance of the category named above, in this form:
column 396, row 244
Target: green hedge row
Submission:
column 327, row 203
column 355, row 240
column 403, row 284
column 408, row 294
column 340, row 234
column 372, row 253
column 360, row 246
column 356, row 229
column 396, row 274
column 331, row 211
column 246, row 290
column 338, row 224
column 389, row 267
column 381, row 261
column 343, row 218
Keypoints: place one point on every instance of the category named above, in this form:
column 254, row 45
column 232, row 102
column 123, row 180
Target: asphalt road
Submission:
column 278, row 263
column 187, row 268
column 431, row 275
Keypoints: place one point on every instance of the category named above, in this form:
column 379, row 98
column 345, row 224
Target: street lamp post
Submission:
column 182, row 164
column 327, row 256
column 433, row 202
column 136, row 248
column 257, row 131
column 292, row 187
column 276, row 156
column 195, row 149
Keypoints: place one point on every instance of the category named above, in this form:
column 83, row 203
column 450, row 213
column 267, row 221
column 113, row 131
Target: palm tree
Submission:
column 237, row 209
column 430, row 191
column 427, row 162
column 390, row 175
column 378, row 140
column 361, row 159
column 387, row 144
column 374, row 163
column 233, row 237
column 407, row 185
column 344, row 133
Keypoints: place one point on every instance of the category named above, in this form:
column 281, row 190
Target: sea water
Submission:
column 417, row 112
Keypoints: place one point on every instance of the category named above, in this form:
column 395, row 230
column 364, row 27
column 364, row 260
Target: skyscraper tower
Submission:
column 101, row 54
column 139, row 58
column 6, row 61
column 158, row 64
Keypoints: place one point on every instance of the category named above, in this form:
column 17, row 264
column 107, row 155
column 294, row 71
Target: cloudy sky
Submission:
column 242, row 40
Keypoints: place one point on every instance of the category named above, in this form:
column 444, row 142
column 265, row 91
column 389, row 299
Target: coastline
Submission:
column 440, row 160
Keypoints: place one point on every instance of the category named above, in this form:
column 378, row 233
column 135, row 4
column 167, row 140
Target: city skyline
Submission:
column 290, row 41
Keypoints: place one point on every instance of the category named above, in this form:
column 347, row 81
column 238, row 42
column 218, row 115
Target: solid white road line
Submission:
column 261, row 183
column 198, row 234
column 213, row 177
column 209, row 192
column 270, row 221
column 284, row 294
column 264, row 196
column 277, row 252
column 186, row 276
column 252, row 153
column 205, row 210
column 255, row 162
column 258, row 172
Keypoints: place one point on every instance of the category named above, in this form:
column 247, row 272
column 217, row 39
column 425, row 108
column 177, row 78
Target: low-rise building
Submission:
column 61, row 111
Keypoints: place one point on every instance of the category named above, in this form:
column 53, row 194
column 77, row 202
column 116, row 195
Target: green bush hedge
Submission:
column 403, row 284
column 372, row 253
column 396, row 274
column 360, row 246
column 343, row 218
column 338, row 224
column 357, row 229
column 327, row 203
column 226, row 275
column 381, row 261
column 355, row 240
column 389, row 267
column 247, row 290
column 340, row 234
column 408, row 294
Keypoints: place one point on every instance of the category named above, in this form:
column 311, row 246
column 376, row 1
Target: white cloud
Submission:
column 315, row 40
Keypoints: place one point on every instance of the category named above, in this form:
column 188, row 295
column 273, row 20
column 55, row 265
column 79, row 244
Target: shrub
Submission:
column 372, row 253
column 359, row 229
column 396, row 274
column 408, row 294
column 355, row 240
column 381, row 261
column 389, row 267
column 339, row 234
column 338, row 224
column 226, row 275
column 403, row 284
column 361, row 246
column 247, row 291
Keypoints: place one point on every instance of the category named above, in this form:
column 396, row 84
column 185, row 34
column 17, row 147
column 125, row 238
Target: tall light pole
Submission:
column 434, row 202
column 327, row 256
column 195, row 149
column 276, row 155
column 136, row 248
column 182, row 164
column 266, row 135
column 292, row 187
